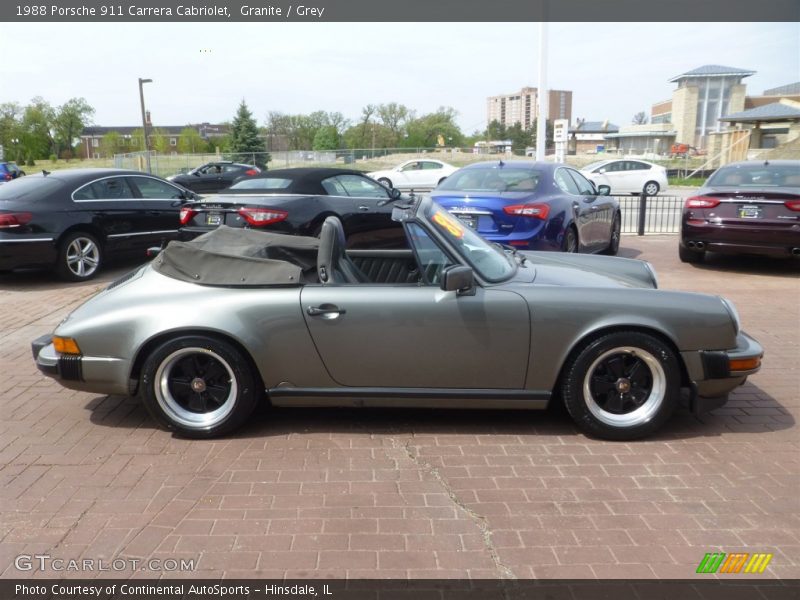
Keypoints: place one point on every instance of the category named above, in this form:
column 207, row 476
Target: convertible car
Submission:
column 214, row 326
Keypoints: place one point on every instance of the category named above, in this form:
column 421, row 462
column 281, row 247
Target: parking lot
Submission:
column 405, row 493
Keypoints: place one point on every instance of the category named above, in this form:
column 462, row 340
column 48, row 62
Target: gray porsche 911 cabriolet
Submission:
column 214, row 326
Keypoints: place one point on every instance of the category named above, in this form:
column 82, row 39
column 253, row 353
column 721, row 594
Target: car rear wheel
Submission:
column 690, row 256
column 570, row 241
column 651, row 188
column 622, row 386
column 80, row 256
column 613, row 244
column 200, row 387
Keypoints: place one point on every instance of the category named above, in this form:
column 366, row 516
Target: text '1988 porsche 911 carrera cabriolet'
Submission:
column 214, row 326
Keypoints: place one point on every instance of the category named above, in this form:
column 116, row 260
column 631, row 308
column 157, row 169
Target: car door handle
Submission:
column 328, row 311
column 363, row 208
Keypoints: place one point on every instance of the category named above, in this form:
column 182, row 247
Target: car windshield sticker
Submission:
column 449, row 223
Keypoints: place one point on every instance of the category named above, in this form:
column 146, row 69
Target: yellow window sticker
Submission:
column 449, row 223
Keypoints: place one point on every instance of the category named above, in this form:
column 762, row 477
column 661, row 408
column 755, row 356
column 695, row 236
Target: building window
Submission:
column 95, row 143
column 173, row 141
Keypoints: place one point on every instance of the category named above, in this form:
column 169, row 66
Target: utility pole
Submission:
column 542, row 95
column 144, row 122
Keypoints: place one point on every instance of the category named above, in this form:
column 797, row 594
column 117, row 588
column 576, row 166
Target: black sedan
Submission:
column 297, row 201
column 214, row 176
column 74, row 220
column 744, row 208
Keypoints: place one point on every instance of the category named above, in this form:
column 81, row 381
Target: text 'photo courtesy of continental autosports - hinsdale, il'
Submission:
column 236, row 317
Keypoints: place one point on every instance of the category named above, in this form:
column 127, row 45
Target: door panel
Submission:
column 420, row 337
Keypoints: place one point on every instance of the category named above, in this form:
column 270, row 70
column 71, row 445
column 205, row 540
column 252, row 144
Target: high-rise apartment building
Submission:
column 522, row 107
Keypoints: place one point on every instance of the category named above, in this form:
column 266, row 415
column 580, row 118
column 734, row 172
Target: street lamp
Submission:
column 144, row 122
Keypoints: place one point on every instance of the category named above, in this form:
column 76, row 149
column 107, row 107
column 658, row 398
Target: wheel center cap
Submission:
column 198, row 385
column 623, row 385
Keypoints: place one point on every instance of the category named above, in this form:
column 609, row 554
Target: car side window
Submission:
column 334, row 187
column 110, row 188
column 432, row 259
column 153, row 189
column 584, row 186
column 614, row 167
column 431, row 165
column 411, row 166
column 361, row 187
column 565, row 182
column 637, row 166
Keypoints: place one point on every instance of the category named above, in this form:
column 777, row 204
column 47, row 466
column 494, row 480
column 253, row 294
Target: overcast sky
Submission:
column 201, row 71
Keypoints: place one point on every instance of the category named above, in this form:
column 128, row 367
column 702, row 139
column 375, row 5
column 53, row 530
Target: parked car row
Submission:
column 76, row 220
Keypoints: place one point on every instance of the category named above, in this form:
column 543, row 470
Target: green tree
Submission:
column 326, row 138
column 159, row 141
column 245, row 138
column 191, row 142
column 394, row 117
column 69, row 121
column 640, row 118
column 424, row 132
column 10, row 129
column 36, row 127
column 112, row 143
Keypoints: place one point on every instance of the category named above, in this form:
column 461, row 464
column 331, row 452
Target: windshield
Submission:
column 759, row 175
column 490, row 262
column 495, row 179
column 267, row 183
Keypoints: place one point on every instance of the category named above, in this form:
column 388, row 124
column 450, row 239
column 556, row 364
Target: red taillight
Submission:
column 701, row 202
column 9, row 220
column 251, row 172
column 7, row 176
column 793, row 205
column 258, row 217
column 535, row 211
column 187, row 214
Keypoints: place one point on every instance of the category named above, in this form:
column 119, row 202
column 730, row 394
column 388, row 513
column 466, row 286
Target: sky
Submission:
column 201, row 71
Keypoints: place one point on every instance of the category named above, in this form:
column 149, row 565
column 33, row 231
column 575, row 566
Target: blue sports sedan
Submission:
column 533, row 206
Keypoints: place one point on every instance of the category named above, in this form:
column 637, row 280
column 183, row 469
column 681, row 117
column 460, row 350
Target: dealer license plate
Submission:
column 213, row 219
column 749, row 211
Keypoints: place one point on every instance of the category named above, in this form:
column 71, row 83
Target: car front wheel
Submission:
column 622, row 386
column 386, row 182
column 200, row 387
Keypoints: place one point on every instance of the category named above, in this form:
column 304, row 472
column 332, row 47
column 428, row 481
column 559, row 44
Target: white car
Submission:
column 418, row 173
column 625, row 176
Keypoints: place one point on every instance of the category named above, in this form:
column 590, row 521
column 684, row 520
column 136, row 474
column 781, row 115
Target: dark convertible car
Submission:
column 75, row 219
column 297, row 201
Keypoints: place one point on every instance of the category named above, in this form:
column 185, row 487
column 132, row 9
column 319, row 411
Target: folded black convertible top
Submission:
column 228, row 256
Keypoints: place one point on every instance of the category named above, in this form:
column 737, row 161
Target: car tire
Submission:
column 386, row 182
column 570, row 241
column 690, row 256
column 651, row 188
column 179, row 376
column 622, row 386
column 80, row 256
column 613, row 245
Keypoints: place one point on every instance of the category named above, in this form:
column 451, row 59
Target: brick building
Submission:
column 522, row 107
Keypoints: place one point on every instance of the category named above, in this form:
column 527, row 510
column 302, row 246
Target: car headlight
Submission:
column 737, row 324
column 652, row 272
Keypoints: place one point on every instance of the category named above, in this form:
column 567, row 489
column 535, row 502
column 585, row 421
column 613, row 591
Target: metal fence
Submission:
column 651, row 214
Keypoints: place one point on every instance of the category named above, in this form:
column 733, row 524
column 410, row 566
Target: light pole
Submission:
column 144, row 122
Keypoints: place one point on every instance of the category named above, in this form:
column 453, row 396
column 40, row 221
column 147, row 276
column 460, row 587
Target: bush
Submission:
column 53, row 158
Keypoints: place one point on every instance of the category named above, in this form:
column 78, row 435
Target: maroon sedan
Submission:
column 748, row 207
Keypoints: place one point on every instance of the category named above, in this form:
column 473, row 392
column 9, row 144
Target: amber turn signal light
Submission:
column 66, row 345
column 744, row 364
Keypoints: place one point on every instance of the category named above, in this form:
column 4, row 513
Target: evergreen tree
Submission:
column 245, row 139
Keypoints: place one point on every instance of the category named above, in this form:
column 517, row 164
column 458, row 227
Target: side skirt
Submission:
column 409, row 397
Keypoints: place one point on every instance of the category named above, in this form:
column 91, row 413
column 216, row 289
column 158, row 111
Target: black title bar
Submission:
column 314, row 11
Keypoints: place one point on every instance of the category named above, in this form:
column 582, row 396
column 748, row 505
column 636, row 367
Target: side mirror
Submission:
column 458, row 279
column 394, row 193
column 603, row 190
column 600, row 170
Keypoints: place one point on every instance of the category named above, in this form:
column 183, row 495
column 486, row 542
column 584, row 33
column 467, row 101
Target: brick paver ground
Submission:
column 406, row 493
